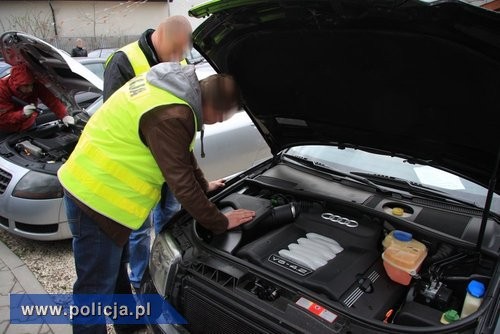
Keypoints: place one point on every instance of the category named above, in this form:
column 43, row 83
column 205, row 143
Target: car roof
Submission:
column 103, row 53
column 90, row 60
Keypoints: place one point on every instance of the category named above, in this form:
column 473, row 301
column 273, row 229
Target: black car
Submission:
column 379, row 211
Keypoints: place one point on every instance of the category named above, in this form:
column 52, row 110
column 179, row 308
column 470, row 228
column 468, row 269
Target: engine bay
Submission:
column 336, row 250
column 49, row 143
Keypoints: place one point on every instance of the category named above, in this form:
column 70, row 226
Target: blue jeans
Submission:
column 99, row 261
column 163, row 214
column 139, row 250
column 140, row 239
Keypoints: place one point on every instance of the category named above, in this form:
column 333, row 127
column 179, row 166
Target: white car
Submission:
column 30, row 194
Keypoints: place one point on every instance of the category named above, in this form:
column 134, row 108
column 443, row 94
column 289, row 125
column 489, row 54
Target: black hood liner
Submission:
column 412, row 89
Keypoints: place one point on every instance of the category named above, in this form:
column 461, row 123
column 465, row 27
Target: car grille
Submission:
column 5, row 178
column 4, row 221
column 223, row 309
column 210, row 308
column 41, row 229
column 204, row 316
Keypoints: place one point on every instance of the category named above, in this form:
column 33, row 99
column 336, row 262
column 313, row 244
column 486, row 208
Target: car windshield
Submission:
column 380, row 168
column 97, row 68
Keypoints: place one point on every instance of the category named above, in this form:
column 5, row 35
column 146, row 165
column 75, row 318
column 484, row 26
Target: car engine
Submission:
column 337, row 257
column 332, row 254
column 49, row 143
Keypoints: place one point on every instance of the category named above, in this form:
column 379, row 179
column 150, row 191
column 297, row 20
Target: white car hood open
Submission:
column 53, row 67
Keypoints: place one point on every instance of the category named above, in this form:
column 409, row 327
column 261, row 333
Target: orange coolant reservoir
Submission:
column 402, row 256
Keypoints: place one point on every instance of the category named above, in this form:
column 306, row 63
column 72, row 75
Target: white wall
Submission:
column 91, row 18
column 181, row 7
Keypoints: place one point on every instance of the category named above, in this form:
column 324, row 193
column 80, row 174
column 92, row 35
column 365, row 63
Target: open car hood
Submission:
column 406, row 78
column 63, row 75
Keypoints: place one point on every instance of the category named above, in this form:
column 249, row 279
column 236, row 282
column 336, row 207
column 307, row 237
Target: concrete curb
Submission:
column 21, row 280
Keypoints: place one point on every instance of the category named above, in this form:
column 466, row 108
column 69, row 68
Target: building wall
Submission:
column 92, row 20
column 181, row 7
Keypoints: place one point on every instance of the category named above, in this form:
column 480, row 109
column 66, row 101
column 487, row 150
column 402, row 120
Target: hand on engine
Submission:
column 238, row 217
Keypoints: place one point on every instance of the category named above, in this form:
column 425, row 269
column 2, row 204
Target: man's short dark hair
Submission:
column 221, row 91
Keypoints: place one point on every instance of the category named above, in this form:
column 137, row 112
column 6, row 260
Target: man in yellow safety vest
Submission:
column 141, row 137
column 168, row 43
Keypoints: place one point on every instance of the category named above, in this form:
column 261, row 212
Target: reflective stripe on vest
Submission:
column 135, row 56
column 111, row 170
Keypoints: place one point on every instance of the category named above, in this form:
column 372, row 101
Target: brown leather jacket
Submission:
column 168, row 132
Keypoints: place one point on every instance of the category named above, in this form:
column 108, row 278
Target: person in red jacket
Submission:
column 15, row 117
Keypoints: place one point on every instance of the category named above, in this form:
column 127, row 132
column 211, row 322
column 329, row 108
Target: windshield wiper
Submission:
column 413, row 188
column 335, row 174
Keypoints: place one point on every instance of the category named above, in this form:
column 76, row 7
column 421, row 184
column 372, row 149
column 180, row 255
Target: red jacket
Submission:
column 12, row 118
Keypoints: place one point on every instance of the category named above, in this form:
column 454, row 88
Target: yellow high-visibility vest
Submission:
column 111, row 170
column 137, row 58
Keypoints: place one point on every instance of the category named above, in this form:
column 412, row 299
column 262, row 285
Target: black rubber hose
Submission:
column 466, row 278
column 281, row 215
column 287, row 213
column 443, row 252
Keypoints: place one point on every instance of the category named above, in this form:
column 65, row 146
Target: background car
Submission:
column 194, row 57
column 4, row 68
column 379, row 211
column 101, row 53
column 94, row 64
column 30, row 194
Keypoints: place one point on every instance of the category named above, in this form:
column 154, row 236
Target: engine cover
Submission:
column 335, row 276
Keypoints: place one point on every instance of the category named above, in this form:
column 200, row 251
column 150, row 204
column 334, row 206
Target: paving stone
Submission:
column 61, row 329
column 9, row 258
column 16, row 278
column 17, row 288
column 3, row 266
column 4, row 317
column 23, row 328
column 7, row 282
column 4, row 301
column 4, row 326
column 28, row 280
column 45, row 329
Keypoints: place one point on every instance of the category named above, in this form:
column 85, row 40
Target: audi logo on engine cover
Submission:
column 339, row 220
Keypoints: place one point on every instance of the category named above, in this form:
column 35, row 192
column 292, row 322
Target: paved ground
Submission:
column 15, row 277
column 50, row 261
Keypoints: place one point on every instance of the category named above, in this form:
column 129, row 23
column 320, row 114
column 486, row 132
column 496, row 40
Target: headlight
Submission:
column 163, row 262
column 36, row 185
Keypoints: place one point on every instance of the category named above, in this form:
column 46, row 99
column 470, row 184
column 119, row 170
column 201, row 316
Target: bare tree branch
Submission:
column 33, row 23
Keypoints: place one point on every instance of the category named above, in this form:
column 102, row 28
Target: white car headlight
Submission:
column 163, row 262
column 35, row 185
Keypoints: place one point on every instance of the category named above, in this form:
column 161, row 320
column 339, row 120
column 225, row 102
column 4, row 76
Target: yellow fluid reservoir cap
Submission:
column 398, row 211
